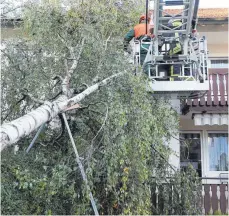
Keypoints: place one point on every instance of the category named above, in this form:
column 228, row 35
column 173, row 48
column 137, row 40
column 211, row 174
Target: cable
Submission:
column 163, row 158
column 146, row 15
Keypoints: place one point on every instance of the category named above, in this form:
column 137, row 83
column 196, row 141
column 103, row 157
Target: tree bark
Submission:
column 13, row 131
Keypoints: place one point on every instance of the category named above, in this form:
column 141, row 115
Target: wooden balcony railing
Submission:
column 218, row 86
column 217, row 96
column 214, row 198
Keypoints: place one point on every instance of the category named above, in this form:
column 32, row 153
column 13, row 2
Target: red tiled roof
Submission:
column 213, row 13
column 217, row 96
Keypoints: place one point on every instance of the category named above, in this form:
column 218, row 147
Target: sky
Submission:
column 214, row 4
column 210, row 4
column 203, row 3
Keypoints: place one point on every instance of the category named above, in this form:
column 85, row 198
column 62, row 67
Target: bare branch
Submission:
column 75, row 62
column 104, row 121
column 76, row 106
column 10, row 10
column 92, row 141
column 84, row 84
column 58, row 94
column 65, row 82
column 12, row 107
column 107, row 41
column 58, row 77
column 36, row 100
column 16, row 66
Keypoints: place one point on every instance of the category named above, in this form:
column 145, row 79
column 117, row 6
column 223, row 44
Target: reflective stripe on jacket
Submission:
column 176, row 23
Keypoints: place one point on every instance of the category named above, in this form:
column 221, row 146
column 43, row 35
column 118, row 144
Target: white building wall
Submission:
column 174, row 142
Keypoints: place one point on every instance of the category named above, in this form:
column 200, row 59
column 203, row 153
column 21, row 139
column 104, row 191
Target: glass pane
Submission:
column 190, row 151
column 218, row 151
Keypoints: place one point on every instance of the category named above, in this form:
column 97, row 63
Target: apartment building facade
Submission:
column 204, row 121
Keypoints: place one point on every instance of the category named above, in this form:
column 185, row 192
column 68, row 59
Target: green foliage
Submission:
column 218, row 212
column 120, row 132
column 37, row 182
column 186, row 193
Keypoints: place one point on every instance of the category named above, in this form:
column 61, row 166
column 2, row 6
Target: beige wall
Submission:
column 217, row 39
column 218, row 50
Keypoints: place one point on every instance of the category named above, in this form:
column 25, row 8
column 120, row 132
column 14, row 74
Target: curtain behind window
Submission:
column 218, row 151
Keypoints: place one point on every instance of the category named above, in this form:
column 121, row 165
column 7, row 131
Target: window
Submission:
column 190, row 151
column 219, row 63
column 218, row 151
column 207, row 152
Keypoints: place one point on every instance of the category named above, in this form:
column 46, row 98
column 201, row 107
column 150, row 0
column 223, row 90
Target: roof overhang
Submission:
column 215, row 21
column 210, row 119
column 10, row 23
column 215, row 100
column 204, row 109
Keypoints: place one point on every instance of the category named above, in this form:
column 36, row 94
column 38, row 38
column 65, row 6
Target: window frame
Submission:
column 207, row 171
column 201, row 143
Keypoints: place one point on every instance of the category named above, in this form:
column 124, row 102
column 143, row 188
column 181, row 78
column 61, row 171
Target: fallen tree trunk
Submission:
column 13, row 131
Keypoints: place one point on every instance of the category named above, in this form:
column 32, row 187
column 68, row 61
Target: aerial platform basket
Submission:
column 192, row 79
column 179, row 89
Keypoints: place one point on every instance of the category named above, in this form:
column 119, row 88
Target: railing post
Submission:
column 226, row 195
column 225, row 87
column 179, row 197
column 210, row 193
column 218, row 196
column 156, row 192
column 218, row 86
column 172, row 200
column 211, row 84
column 203, row 194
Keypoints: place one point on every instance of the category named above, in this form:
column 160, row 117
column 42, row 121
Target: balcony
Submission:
column 210, row 199
column 214, row 197
column 216, row 99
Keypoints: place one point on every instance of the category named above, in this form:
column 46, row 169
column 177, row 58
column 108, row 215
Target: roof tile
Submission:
column 214, row 13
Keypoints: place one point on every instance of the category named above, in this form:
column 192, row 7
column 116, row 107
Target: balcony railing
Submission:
column 218, row 88
column 212, row 199
column 215, row 197
column 216, row 99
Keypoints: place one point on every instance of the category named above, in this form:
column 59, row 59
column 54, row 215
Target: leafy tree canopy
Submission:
column 121, row 131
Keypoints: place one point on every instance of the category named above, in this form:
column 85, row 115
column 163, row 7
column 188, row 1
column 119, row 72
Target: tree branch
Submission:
column 36, row 100
column 15, row 130
column 10, row 10
column 66, row 80
column 16, row 66
column 92, row 141
column 104, row 121
column 107, row 40
column 12, row 107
